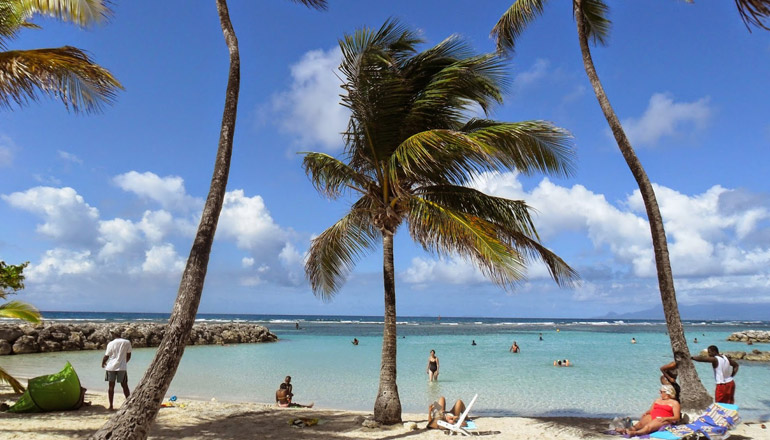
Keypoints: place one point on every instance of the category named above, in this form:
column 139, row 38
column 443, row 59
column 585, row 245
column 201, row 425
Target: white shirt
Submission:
column 723, row 372
column 117, row 351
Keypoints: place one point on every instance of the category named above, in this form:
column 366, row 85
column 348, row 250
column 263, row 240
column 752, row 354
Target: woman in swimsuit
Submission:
column 437, row 411
column 664, row 411
column 432, row 368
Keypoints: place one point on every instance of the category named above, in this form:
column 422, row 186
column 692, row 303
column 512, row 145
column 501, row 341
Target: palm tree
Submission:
column 592, row 23
column 11, row 281
column 134, row 419
column 754, row 12
column 66, row 73
column 411, row 153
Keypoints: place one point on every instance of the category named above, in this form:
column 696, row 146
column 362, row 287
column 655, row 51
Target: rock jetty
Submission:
column 57, row 336
column 750, row 336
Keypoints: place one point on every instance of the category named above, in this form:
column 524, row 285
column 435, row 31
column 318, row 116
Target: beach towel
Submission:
column 714, row 424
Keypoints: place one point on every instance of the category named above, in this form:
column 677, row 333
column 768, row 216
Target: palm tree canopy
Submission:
column 412, row 151
column 66, row 73
column 522, row 12
column 317, row 4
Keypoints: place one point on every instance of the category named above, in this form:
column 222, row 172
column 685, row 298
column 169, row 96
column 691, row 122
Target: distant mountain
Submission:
column 705, row 312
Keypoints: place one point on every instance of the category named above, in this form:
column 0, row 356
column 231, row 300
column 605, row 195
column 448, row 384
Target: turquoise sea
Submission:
column 610, row 376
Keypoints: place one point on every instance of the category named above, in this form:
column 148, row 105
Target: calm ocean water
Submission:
column 610, row 376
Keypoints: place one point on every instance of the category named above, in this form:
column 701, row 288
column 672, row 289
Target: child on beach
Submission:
column 283, row 396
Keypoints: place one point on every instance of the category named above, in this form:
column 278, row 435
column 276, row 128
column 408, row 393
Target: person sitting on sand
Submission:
column 664, row 411
column 283, row 398
column 437, row 411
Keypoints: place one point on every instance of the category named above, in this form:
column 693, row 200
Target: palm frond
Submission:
column 18, row 388
column 321, row 5
column 443, row 101
column 755, row 12
column 595, row 13
column 66, row 73
column 493, row 226
column 81, row 12
column 443, row 231
column 20, row 310
column 513, row 22
column 334, row 253
column 497, row 210
column 330, row 176
column 445, row 156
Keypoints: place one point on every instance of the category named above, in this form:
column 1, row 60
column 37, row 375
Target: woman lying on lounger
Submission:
column 437, row 411
column 664, row 411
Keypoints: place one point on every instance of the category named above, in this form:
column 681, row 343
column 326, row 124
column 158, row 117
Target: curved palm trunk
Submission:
column 387, row 407
column 694, row 395
column 135, row 417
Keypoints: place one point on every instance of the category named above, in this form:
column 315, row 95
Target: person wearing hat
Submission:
column 665, row 410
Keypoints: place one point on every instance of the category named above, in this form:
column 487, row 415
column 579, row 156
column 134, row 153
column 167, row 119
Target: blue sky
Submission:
column 105, row 206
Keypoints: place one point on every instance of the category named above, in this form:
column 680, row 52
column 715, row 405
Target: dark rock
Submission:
column 5, row 347
column 26, row 344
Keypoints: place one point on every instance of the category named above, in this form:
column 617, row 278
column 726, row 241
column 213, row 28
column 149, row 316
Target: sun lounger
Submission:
column 715, row 423
column 458, row 426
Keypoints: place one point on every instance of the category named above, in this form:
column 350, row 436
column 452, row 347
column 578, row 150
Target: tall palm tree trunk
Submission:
column 387, row 406
column 694, row 396
column 134, row 419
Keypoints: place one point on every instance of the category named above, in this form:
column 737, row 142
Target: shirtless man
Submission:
column 283, row 396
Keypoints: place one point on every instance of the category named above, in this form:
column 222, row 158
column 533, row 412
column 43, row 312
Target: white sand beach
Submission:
column 197, row 419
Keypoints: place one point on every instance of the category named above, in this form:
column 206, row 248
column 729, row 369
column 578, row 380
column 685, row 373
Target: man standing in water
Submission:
column 115, row 362
column 724, row 371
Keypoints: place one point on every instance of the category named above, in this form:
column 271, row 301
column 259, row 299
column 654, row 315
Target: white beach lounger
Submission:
column 458, row 426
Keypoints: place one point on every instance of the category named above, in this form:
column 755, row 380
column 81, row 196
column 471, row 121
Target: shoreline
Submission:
column 201, row 419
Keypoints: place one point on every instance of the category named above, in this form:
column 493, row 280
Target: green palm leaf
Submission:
column 330, row 176
column 333, row 254
column 443, row 231
column 513, row 22
column 523, row 12
column 80, row 12
column 66, row 73
column 446, row 156
column 18, row 388
column 597, row 24
column 20, row 310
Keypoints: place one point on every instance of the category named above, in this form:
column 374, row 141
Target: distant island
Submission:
column 703, row 312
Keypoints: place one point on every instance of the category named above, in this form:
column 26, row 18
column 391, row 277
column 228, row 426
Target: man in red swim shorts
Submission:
column 724, row 371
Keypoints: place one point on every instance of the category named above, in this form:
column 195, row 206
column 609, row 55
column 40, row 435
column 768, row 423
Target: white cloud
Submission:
column 163, row 259
column 310, row 109
column 59, row 261
column 708, row 238
column 6, row 151
column 118, row 236
column 451, row 271
column 67, row 217
column 247, row 262
column 168, row 191
column 69, row 157
column 247, row 221
column 664, row 117
column 534, row 74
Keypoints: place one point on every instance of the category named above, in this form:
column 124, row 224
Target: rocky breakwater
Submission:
column 56, row 336
column 750, row 336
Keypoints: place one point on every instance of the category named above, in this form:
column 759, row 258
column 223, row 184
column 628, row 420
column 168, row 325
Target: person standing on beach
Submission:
column 115, row 362
column 433, row 366
column 724, row 371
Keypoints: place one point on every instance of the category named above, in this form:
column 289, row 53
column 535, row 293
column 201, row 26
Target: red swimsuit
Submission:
column 659, row 410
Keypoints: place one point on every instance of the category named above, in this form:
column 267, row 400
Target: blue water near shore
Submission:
column 610, row 376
